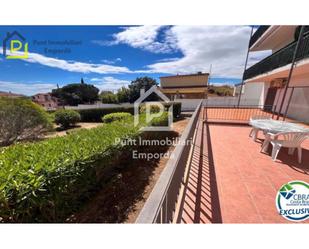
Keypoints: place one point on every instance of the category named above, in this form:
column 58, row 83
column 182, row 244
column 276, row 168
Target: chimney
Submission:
column 199, row 72
column 142, row 91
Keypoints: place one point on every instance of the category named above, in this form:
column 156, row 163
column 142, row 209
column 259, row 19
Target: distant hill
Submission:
column 10, row 94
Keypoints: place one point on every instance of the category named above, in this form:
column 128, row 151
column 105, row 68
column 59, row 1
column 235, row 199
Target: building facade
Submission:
column 266, row 80
column 189, row 86
column 46, row 100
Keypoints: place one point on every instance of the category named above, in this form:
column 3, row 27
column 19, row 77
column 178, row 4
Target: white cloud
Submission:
column 73, row 66
column 168, row 59
column 222, row 83
column 103, row 43
column 111, row 61
column 109, row 83
column 224, row 47
column 26, row 89
column 143, row 37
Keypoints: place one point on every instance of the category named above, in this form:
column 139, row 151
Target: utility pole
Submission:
column 243, row 76
column 209, row 75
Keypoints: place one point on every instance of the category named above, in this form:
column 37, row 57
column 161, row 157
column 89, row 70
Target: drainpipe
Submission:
column 243, row 76
column 290, row 75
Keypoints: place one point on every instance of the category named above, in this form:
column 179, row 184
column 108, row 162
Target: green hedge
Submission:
column 47, row 180
column 117, row 116
column 96, row 114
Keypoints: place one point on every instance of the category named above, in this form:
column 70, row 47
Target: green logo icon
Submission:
column 287, row 191
column 15, row 46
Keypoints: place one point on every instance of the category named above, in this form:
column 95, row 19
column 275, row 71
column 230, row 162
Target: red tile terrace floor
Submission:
column 230, row 181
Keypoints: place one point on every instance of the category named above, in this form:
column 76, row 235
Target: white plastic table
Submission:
column 276, row 126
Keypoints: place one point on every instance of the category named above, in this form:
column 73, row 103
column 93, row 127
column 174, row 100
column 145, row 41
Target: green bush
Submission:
column 66, row 118
column 48, row 180
column 117, row 116
column 153, row 108
column 58, row 173
column 160, row 121
column 96, row 114
column 21, row 119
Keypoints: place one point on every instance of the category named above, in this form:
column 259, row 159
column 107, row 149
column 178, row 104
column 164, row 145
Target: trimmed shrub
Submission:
column 96, row 114
column 160, row 121
column 66, row 118
column 108, row 118
column 48, row 180
column 153, row 108
column 21, row 119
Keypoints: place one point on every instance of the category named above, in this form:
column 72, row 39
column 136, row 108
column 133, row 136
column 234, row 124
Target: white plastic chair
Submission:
column 289, row 140
column 255, row 131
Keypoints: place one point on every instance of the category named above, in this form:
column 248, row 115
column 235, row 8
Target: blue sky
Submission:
column 111, row 56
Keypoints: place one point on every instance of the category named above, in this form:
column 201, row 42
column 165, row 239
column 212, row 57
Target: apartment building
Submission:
column 267, row 79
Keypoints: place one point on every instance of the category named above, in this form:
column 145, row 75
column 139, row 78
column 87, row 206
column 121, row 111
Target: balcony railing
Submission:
column 257, row 34
column 161, row 204
column 280, row 58
column 234, row 114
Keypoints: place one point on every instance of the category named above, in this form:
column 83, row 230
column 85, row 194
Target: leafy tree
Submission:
column 74, row 94
column 142, row 83
column 108, row 97
column 123, row 95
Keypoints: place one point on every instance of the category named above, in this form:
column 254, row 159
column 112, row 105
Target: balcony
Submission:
column 257, row 34
column 279, row 59
column 222, row 177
